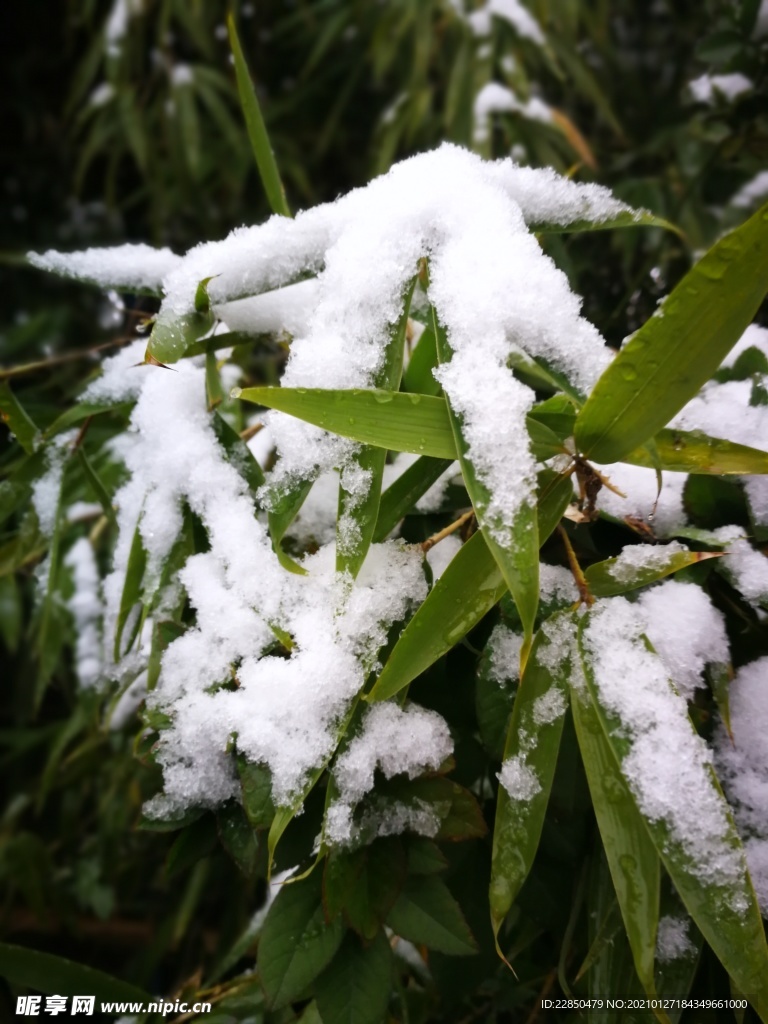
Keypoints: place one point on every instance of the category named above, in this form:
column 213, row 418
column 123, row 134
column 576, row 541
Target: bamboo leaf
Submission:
column 614, row 576
column 400, row 497
column 692, row 451
column 97, row 486
column 45, row 972
column 726, row 912
column 467, row 590
column 355, row 987
column 257, row 132
column 518, row 554
column 284, row 509
column 531, row 748
column 132, row 589
column 624, row 219
column 632, row 858
column 297, row 943
column 358, row 512
column 680, row 347
column 417, row 375
column 426, row 913
column 389, row 419
column 19, row 423
column 172, row 335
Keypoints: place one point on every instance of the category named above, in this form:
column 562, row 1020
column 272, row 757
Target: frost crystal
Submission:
column 672, row 940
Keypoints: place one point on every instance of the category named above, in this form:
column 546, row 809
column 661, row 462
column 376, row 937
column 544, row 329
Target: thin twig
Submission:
column 430, row 542
column 65, row 357
column 252, row 431
column 573, row 562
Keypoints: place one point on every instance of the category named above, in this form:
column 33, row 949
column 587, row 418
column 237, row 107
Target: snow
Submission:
column 747, row 569
column 754, row 336
column 640, row 487
column 182, row 74
column 667, row 765
column 86, row 610
column 118, row 22
column 511, row 11
column 636, row 559
column 686, row 630
column 46, row 490
column 519, row 779
column 409, row 741
column 672, row 939
column 711, row 88
column 742, row 763
column 124, row 267
column 101, row 95
column 755, row 190
column 495, row 98
column 503, row 647
column 442, row 554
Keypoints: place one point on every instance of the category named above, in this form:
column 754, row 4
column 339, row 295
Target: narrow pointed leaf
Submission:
column 97, row 486
column 172, row 335
column 721, row 902
column 426, row 913
column 680, row 347
column 466, row 591
column 283, row 512
column 12, row 413
column 517, row 555
column 530, row 752
column 691, row 451
column 632, row 858
column 401, row 496
column 390, row 419
column 132, row 589
column 358, row 512
column 624, row 219
column 355, row 987
column 297, row 943
column 45, row 972
column 615, row 576
column 418, row 376
column 257, row 132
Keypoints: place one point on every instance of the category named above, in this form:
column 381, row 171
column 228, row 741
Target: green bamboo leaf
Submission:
column 680, row 347
column 727, row 915
column 163, row 634
column 418, row 376
column 256, row 790
column 238, row 454
column 297, row 943
column 285, row 508
column 624, row 219
column 676, row 968
column 172, row 335
column 691, row 451
column 364, row 883
column 97, row 486
column 11, row 612
column 389, row 419
column 131, row 595
column 257, row 132
column 358, row 514
column 467, row 590
column 45, row 972
column 83, row 411
column 355, row 987
column 426, row 913
column 632, row 858
column 617, row 576
column 399, row 421
column 13, row 414
column 530, row 756
column 400, row 497
column 284, row 815
column 518, row 555
column 238, row 837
